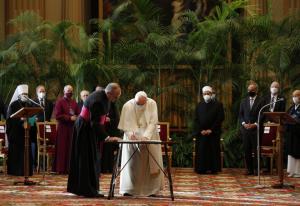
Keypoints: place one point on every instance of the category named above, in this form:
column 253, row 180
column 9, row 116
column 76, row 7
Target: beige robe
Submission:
column 141, row 175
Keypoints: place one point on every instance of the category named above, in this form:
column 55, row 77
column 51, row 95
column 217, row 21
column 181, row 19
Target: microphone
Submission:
column 257, row 133
column 34, row 102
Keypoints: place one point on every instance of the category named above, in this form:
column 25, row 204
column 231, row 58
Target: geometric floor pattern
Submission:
column 229, row 187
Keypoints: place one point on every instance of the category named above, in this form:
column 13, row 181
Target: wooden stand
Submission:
column 25, row 113
column 117, row 171
column 281, row 118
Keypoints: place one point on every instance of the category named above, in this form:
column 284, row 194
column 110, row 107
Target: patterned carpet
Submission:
column 230, row 187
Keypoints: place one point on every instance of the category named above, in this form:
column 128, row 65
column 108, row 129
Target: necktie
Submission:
column 251, row 102
column 42, row 102
column 272, row 105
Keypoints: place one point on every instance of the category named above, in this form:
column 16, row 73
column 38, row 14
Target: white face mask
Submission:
column 207, row 98
column 296, row 100
column 23, row 97
column 41, row 95
column 274, row 90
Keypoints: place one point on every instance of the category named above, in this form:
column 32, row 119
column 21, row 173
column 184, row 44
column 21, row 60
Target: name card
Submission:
column 48, row 128
column 267, row 130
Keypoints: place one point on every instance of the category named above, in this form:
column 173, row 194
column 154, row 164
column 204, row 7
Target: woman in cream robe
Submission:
column 141, row 176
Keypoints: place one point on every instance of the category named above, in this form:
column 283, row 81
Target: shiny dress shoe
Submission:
column 127, row 194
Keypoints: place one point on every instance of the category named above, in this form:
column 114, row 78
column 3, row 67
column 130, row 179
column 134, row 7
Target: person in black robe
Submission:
column 88, row 131
column 293, row 138
column 16, row 133
column 108, row 152
column 209, row 116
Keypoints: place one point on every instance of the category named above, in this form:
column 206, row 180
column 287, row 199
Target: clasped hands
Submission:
column 206, row 132
column 249, row 126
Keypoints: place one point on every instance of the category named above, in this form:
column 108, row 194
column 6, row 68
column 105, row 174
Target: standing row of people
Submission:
column 65, row 110
column 209, row 115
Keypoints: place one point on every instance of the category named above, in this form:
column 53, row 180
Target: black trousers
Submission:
column 250, row 148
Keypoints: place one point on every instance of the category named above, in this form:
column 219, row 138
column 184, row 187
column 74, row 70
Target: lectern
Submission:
column 25, row 113
column 282, row 119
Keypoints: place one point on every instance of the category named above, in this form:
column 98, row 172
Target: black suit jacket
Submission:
column 48, row 111
column 279, row 106
column 248, row 115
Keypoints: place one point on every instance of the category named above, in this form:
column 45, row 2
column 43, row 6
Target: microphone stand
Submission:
column 257, row 133
column 44, row 139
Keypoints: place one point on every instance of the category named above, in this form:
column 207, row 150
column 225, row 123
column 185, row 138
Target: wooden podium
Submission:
column 25, row 113
column 281, row 118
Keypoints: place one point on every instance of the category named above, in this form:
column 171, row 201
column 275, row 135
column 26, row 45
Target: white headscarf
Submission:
column 21, row 89
column 207, row 89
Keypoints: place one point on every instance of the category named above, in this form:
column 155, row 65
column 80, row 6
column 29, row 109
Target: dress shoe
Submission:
column 127, row 194
column 249, row 173
column 296, row 175
column 153, row 195
column 291, row 175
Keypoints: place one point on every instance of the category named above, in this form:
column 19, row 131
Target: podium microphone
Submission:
column 34, row 102
column 257, row 133
column 44, row 139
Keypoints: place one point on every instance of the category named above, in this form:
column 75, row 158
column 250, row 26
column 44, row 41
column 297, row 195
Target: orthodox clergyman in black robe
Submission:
column 88, row 131
column 16, row 133
column 209, row 116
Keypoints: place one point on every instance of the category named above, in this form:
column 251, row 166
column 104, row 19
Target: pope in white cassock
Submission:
column 141, row 176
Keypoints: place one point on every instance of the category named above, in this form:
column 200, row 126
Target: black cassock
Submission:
column 207, row 149
column 16, row 140
column 107, row 159
column 84, row 164
column 293, row 134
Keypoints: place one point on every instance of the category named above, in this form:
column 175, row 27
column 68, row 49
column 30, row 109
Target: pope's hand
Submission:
column 132, row 137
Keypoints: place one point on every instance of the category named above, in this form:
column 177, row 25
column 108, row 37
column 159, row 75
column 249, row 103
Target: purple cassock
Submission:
column 64, row 109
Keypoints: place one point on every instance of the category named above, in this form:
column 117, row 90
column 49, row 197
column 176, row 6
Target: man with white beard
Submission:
column 141, row 176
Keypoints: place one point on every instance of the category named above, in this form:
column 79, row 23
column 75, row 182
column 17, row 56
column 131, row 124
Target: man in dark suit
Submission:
column 279, row 106
column 274, row 96
column 248, row 115
column 41, row 117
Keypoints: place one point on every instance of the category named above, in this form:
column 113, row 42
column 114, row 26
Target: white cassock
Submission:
column 141, row 176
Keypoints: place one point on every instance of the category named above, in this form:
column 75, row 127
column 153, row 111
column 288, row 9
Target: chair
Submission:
column 49, row 129
column 268, row 147
column 3, row 145
column 164, row 133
